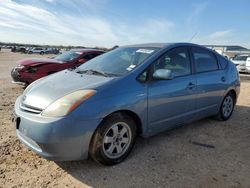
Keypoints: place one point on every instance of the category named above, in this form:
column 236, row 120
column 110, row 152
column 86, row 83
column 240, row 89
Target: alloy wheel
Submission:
column 227, row 106
column 117, row 140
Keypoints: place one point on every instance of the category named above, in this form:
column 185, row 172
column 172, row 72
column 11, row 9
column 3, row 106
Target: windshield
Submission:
column 240, row 58
column 68, row 56
column 118, row 62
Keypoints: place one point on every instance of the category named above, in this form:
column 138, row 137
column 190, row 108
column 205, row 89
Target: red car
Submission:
column 31, row 69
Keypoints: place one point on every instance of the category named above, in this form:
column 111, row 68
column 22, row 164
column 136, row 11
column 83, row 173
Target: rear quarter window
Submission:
column 204, row 59
column 223, row 62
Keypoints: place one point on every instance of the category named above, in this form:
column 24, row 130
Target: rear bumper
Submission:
column 58, row 139
column 244, row 69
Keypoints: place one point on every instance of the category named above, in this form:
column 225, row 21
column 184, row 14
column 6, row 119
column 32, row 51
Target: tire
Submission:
column 41, row 53
column 113, row 140
column 227, row 107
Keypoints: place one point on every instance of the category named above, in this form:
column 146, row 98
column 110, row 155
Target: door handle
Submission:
column 223, row 79
column 191, row 85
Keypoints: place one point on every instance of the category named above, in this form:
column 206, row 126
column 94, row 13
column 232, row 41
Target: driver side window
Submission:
column 176, row 60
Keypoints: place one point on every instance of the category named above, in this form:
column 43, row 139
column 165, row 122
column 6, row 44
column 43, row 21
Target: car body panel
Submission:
column 159, row 105
column 210, row 90
column 37, row 61
column 163, row 95
column 40, row 98
column 44, row 135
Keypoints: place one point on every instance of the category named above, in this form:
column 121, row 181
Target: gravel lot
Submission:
column 170, row 159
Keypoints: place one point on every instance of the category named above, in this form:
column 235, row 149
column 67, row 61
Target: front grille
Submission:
column 31, row 109
column 15, row 75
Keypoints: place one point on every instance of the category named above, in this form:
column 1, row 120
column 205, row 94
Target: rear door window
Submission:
column 204, row 60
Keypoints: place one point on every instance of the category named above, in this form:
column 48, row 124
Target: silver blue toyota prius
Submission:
column 99, row 108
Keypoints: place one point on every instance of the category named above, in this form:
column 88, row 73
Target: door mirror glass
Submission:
column 163, row 74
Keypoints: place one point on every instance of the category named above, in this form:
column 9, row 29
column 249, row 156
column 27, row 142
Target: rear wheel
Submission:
column 227, row 107
column 113, row 139
column 41, row 53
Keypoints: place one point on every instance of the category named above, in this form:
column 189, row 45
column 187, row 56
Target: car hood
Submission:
column 37, row 61
column 46, row 90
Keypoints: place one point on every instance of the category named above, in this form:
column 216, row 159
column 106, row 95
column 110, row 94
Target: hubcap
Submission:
column 227, row 106
column 116, row 140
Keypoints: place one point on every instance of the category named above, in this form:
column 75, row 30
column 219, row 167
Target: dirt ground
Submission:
column 170, row 159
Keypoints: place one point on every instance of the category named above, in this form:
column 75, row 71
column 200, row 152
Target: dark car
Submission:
column 19, row 49
column 31, row 69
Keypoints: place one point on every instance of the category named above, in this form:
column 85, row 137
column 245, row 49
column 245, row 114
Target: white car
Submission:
column 41, row 51
column 242, row 63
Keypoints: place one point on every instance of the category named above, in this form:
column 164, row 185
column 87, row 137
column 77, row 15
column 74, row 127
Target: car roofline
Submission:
column 86, row 50
column 162, row 45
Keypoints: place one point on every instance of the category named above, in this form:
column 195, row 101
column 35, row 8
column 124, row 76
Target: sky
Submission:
column 106, row 23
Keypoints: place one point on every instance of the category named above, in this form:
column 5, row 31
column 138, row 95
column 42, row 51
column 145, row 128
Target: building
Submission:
column 229, row 51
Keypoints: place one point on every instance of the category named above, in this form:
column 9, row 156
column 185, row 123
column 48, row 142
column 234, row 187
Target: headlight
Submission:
column 31, row 70
column 19, row 67
column 68, row 103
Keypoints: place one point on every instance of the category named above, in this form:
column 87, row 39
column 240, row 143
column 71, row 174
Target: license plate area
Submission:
column 16, row 120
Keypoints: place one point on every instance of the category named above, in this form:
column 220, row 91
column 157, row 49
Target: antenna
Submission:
column 194, row 35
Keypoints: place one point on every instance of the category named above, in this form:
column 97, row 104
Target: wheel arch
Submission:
column 134, row 116
column 130, row 113
column 234, row 94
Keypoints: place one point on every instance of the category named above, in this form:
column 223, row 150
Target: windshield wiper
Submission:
column 91, row 71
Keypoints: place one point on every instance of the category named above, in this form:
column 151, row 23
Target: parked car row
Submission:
column 43, row 51
column 98, row 109
column 37, row 50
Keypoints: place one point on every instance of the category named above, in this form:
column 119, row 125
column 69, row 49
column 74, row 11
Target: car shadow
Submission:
column 244, row 77
column 180, row 156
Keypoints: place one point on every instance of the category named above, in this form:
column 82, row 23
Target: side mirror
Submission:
column 82, row 60
column 163, row 74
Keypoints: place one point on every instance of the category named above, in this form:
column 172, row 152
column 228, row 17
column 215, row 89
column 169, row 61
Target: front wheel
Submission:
column 227, row 107
column 113, row 139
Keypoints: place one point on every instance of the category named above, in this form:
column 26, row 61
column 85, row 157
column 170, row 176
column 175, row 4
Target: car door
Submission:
column 172, row 102
column 211, row 81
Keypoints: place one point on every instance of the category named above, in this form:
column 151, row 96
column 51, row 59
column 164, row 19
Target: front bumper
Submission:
column 59, row 139
column 16, row 77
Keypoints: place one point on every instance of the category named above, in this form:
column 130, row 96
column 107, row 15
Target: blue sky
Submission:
column 111, row 22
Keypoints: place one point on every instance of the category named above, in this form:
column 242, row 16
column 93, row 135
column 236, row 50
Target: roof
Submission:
column 147, row 45
column 164, row 45
column 86, row 50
